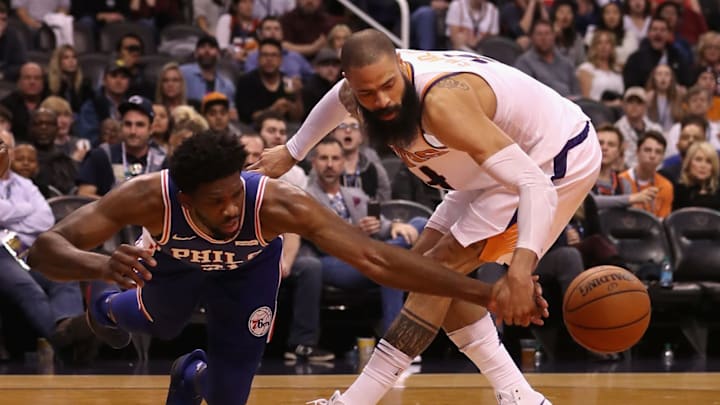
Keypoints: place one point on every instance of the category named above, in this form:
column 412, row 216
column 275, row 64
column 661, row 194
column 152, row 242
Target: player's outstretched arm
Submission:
column 323, row 118
column 289, row 209
column 62, row 252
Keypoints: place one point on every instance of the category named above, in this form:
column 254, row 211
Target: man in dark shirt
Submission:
column 109, row 165
column 12, row 53
column 306, row 27
column 26, row 99
column 327, row 73
column 265, row 88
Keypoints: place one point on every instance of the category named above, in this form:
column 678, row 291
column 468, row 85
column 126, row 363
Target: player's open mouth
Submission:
column 389, row 116
column 231, row 226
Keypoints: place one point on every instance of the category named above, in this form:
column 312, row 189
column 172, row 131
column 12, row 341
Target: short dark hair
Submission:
column 254, row 135
column 692, row 119
column 118, row 45
column 266, row 19
column 538, row 23
column 206, row 157
column 328, row 140
column 656, row 17
column 268, row 115
column 657, row 136
column 613, row 129
column 364, row 48
column 270, row 41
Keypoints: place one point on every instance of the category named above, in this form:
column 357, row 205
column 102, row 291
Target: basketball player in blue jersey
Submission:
column 211, row 235
column 517, row 160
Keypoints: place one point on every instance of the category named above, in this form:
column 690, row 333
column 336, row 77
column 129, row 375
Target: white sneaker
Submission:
column 521, row 397
column 334, row 400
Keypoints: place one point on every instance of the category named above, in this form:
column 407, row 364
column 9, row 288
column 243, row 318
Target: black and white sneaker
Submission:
column 308, row 353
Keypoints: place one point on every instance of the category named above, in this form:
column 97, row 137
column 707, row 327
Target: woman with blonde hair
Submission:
column 665, row 97
column 698, row 184
column 65, row 78
column 600, row 73
column 337, row 36
column 72, row 146
column 171, row 90
column 186, row 122
column 708, row 51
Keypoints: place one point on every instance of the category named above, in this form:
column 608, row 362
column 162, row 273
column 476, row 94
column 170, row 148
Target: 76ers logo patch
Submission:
column 260, row 321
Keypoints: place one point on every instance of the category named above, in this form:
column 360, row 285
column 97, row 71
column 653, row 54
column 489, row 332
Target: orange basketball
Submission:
column 606, row 309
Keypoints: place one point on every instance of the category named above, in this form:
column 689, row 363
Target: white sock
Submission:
column 379, row 375
column 479, row 341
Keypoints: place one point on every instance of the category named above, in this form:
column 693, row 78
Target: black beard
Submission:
column 401, row 130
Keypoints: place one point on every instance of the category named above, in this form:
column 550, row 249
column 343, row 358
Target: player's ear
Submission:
column 399, row 59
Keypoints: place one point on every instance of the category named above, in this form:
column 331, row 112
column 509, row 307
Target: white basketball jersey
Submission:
column 533, row 115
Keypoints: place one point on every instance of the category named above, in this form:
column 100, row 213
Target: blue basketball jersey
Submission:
column 183, row 240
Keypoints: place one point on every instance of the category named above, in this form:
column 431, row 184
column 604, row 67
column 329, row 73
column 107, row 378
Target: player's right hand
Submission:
column 125, row 267
column 274, row 162
column 501, row 311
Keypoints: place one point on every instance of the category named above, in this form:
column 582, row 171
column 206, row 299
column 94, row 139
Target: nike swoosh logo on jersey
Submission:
column 176, row 237
column 246, row 243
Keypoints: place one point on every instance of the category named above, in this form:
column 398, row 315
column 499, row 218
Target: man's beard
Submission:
column 207, row 62
column 399, row 131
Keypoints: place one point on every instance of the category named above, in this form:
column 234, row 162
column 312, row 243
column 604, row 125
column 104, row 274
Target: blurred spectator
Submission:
column 692, row 23
column 65, row 78
column 567, row 40
column 655, row 50
column 543, row 62
column 588, row 14
column 340, row 33
column 327, row 73
column 156, row 14
column 254, row 146
column 293, row 64
column 273, row 130
column 708, row 51
column 5, row 118
column 469, row 22
column 517, row 18
column 32, row 12
column 698, row 184
column 203, row 77
column 130, row 48
column 609, row 191
column 23, row 101
column 216, row 110
column 116, row 81
column 697, row 102
column 110, row 165
column 12, row 56
column 93, row 14
column 670, row 12
column 612, row 20
column 636, row 18
column 171, row 90
column 709, row 79
column 351, row 204
column 160, row 128
column 236, row 30
column 600, row 73
column 185, row 123
column 271, row 90
column 54, row 309
column 305, row 27
column 693, row 129
column 272, row 8
column 428, row 27
column 650, row 151
column 664, row 97
column 25, row 163
column 208, row 12
column 109, row 131
column 56, row 168
column 635, row 122
column 71, row 145
column 360, row 172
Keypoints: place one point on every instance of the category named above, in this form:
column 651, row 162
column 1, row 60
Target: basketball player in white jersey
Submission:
column 518, row 158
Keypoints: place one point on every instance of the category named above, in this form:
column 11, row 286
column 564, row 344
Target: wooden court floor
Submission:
column 436, row 389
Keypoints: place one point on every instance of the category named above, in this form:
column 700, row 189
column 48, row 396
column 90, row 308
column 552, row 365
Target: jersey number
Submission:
column 472, row 57
column 435, row 178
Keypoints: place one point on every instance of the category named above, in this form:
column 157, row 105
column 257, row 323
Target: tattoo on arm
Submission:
column 348, row 100
column 410, row 334
column 451, row 83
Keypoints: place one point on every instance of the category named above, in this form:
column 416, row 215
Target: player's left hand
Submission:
column 519, row 301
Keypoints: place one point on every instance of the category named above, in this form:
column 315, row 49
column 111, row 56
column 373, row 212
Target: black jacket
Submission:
column 641, row 63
